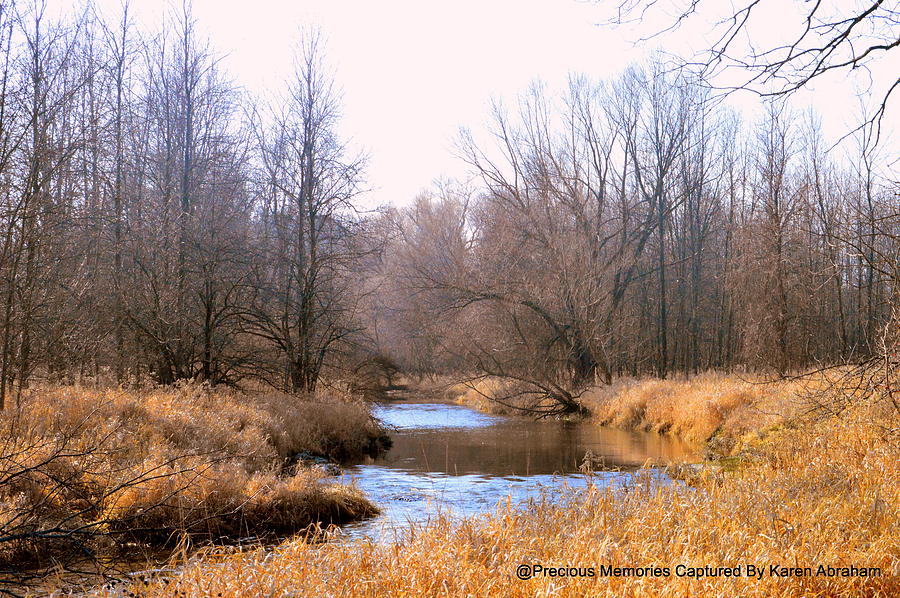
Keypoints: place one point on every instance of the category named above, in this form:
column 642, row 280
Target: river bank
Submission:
column 724, row 414
column 822, row 494
column 106, row 472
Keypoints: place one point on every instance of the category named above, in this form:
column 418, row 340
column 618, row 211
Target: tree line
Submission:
column 638, row 227
column 160, row 223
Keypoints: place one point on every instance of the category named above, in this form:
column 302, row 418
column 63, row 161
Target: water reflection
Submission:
column 452, row 458
column 428, row 416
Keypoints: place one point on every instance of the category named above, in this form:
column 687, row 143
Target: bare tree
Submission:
column 558, row 236
column 192, row 207
column 825, row 38
column 654, row 151
column 302, row 296
column 41, row 144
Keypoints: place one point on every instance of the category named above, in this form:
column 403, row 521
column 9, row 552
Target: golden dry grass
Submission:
column 149, row 466
column 725, row 411
column 825, row 493
column 699, row 408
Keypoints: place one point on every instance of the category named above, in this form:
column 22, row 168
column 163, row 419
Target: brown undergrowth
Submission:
column 84, row 470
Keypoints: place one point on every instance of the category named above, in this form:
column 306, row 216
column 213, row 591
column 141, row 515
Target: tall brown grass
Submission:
column 725, row 412
column 821, row 493
column 86, row 468
column 727, row 408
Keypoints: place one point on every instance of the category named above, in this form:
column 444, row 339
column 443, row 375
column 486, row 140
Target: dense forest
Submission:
column 160, row 224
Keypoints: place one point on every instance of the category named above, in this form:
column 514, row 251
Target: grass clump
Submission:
column 487, row 394
column 711, row 406
column 85, row 470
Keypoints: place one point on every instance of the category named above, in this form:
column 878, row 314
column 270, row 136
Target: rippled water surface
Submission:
column 449, row 458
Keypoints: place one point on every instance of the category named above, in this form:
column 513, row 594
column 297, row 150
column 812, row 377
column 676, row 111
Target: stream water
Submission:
column 452, row 459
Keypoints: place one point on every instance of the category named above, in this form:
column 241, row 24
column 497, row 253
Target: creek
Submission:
column 448, row 458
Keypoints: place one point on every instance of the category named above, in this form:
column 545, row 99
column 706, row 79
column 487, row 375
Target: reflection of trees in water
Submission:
column 522, row 447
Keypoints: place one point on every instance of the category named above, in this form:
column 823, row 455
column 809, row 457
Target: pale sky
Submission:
column 413, row 72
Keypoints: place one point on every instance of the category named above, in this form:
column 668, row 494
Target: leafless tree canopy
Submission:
column 158, row 223
column 822, row 37
column 632, row 227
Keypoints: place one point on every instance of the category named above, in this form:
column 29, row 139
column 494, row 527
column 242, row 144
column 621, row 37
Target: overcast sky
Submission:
column 413, row 72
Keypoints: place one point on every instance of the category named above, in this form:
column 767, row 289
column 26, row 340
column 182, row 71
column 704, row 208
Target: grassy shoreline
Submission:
column 824, row 492
column 723, row 414
column 110, row 470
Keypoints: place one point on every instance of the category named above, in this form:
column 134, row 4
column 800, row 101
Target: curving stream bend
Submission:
column 450, row 458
